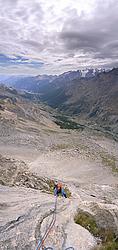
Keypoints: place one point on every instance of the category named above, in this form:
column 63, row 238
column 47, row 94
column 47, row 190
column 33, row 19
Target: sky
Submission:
column 54, row 36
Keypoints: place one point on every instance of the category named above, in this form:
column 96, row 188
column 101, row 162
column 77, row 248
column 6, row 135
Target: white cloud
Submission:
column 62, row 34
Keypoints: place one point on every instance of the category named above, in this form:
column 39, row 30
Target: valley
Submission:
column 35, row 151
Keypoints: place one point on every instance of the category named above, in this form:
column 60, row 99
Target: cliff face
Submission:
column 26, row 206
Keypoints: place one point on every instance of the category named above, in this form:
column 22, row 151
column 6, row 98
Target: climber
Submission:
column 58, row 189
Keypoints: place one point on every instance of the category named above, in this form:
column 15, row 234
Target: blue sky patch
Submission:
column 6, row 61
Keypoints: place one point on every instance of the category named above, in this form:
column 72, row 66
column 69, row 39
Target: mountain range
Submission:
column 33, row 83
column 89, row 99
column 94, row 99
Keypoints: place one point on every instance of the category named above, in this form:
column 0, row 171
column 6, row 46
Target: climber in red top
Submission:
column 58, row 189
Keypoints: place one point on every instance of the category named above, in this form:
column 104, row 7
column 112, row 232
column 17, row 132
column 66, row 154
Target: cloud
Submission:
column 96, row 35
column 43, row 36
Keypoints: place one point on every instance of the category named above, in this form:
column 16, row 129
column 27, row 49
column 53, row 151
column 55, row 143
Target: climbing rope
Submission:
column 40, row 245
